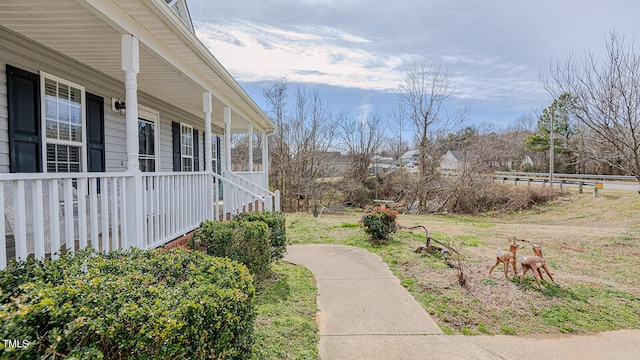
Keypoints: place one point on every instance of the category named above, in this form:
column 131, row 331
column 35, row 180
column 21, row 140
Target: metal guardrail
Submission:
column 530, row 179
column 567, row 176
column 581, row 180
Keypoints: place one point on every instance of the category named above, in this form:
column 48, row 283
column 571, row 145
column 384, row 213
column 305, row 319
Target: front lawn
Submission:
column 286, row 303
column 591, row 245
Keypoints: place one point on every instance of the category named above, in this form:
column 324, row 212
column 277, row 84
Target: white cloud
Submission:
column 324, row 55
column 313, row 55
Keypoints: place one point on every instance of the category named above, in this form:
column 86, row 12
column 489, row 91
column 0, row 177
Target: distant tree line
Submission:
column 319, row 157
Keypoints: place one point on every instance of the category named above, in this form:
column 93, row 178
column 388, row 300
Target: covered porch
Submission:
column 145, row 49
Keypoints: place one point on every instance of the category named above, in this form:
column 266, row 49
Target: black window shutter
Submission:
column 95, row 133
column 25, row 142
column 196, row 151
column 218, row 169
column 177, row 160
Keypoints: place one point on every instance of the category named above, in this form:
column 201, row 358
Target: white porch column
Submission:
column 250, row 131
column 227, row 138
column 207, row 108
column 134, row 200
column 265, row 159
column 131, row 67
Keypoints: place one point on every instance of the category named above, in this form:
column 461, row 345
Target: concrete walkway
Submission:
column 366, row 314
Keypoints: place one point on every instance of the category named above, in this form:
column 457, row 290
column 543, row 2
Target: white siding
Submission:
column 31, row 57
column 114, row 139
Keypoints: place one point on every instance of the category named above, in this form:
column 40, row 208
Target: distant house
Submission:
column 335, row 164
column 452, row 161
column 410, row 156
column 377, row 159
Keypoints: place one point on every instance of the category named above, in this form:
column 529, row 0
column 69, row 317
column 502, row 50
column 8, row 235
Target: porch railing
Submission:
column 249, row 181
column 46, row 214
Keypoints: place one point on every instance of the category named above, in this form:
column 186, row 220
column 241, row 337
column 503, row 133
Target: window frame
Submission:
column 43, row 123
column 215, row 164
column 150, row 116
column 184, row 126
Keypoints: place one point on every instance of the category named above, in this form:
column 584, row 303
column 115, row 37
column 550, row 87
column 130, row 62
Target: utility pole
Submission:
column 551, row 147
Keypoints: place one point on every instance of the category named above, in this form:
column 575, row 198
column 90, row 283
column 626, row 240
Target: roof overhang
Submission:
column 174, row 64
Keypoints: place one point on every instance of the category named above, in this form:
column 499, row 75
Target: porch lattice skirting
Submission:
column 46, row 214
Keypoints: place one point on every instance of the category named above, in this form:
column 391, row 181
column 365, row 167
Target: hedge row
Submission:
column 277, row 230
column 254, row 239
column 128, row 305
column 242, row 241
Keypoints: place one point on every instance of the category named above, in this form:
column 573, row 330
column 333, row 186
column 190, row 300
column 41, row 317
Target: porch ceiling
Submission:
column 174, row 66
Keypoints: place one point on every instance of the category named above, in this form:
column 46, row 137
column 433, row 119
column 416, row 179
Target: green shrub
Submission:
column 242, row 241
column 134, row 305
column 277, row 229
column 379, row 223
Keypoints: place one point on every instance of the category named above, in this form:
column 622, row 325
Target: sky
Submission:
column 355, row 53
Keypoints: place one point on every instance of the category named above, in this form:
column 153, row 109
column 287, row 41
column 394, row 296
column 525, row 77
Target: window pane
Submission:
column 146, row 138
column 63, row 112
column 187, row 164
column 142, row 137
column 74, row 154
column 147, row 165
column 76, row 115
column 50, row 88
column 146, row 146
column 51, row 107
column 75, row 96
column 51, row 153
column 63, row 91
column 52, row 129
column 65, row 134
column 76, row 133
column 62, row 152
column 151, row 140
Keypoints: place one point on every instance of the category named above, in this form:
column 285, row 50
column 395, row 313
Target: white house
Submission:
column 410, row 156
column 115, row 123
column 452, row 161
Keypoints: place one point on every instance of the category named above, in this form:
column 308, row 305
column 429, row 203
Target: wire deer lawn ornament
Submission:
column 534, row 263
column 507, row 257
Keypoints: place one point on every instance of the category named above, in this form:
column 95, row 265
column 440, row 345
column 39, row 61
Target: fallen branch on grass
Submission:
column 427, row 247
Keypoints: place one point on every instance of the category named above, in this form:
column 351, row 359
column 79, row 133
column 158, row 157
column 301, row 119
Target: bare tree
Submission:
column 312, row 133
column 398, row 125
column 426, row 94
column 361, row 138
column 276, row 96
column 605, row 98
column 239, row 152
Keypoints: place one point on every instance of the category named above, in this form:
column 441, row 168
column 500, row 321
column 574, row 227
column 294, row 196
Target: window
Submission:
column 186, row 147
column 63, row 124
column 147, row 139
column 216, row 154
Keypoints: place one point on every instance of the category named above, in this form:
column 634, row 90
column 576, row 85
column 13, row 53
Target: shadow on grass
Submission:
column 274, row 289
